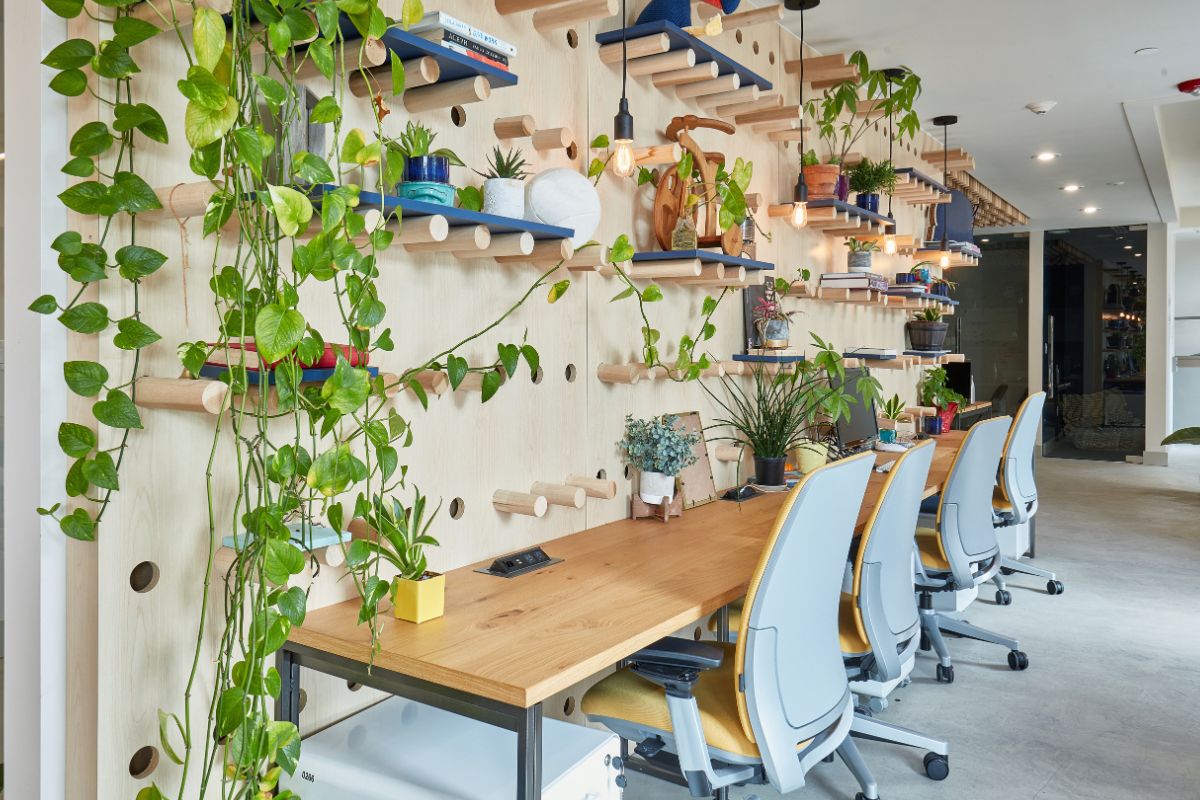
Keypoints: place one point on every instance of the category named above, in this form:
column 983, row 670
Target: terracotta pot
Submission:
column 822, row 181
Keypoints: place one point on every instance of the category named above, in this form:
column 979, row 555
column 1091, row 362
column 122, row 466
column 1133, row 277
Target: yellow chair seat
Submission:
column 1000, row 502
column 930, row 545
column 854, row 639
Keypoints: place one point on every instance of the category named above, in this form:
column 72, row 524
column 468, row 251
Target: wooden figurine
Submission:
column 640, row 509
column 673, row 191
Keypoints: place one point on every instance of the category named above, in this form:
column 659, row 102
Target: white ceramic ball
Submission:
column 564, row 198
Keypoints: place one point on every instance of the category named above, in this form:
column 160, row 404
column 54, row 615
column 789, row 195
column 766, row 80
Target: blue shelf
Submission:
column 923, row 179
column 319, row 537
column 217, row 372
column 926, row 353
column 456, row 217
column 682, row 40
column 757, row 359
column 455, row 66
column 854, row 211
column 705, row 256
column 867, row 356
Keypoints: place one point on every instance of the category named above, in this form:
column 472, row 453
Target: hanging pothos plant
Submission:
column 306, row 453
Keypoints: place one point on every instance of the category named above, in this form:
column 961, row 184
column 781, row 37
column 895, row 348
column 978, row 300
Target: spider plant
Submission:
column 400, row 537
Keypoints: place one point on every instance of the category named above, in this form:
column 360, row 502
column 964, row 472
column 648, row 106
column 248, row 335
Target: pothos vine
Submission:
column 278, row 218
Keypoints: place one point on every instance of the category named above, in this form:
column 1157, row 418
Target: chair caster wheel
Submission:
column 926, row 645
column 828, row 759
column 863, row 711
column 945, row 674
column 1006, row 571
column 937, row 767
column 1054, row 587
column 1004, row 597
column 876, row 704
column 1018, row 661
column 861, row 796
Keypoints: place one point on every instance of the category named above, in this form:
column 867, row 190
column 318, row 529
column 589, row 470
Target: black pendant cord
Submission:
column 946, row 178
column 802, row 88
column 624, row 51
column 891, row 141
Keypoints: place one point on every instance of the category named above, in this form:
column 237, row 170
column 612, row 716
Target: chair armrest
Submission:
column 675, row 664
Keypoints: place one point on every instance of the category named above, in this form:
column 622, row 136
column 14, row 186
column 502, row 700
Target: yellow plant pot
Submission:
column 419, row 601
column 810, row 455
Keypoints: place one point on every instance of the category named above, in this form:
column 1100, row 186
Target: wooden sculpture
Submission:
column 671, row 200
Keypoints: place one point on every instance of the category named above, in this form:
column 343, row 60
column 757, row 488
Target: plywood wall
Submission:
column 568, row 422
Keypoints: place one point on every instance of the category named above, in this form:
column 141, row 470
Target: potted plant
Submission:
column 772, row 322
column 859, row 258
column 423, row 173
column 789, row 410
column 868, row 178
column 919, row 273
column 892, row 413
column 504, row 184
column 659, row 449
column 934, row 392
column 821, row 179
column 926, row 331
column 941, row 287
column 399, row 538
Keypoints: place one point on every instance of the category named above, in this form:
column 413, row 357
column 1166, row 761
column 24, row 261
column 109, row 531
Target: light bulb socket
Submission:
column 800, row 193
column 801, row 5
column 623, row 122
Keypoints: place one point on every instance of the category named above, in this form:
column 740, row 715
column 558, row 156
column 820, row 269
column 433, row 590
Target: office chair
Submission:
column 961, row 552
column 1016, row 499
column 880, row 626
column 772, row 706
column 998, row 400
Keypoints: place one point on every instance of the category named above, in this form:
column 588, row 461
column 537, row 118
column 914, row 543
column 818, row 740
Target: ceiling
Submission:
column 986, row 61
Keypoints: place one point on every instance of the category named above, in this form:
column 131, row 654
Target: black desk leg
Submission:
column 1033, row 536
column 529, row 753
column 723, row 624
column 287, row 707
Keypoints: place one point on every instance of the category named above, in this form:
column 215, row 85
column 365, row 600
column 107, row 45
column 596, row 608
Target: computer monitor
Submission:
column 958, row 377
column 861, row 427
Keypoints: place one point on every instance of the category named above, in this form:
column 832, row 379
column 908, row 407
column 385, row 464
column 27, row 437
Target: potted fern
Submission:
column 869, row 178
column 926, row 331
column 859, row 259
column 399, row 538
column 504, row 184
column 659, row 449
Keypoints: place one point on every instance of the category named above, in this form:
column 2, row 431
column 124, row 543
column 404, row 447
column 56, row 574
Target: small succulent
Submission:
column 893, row 409
column 860, row 246
column 501, row 165
column 930, row 314
column 657, row 444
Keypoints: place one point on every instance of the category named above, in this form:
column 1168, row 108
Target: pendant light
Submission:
column 945, row 122
column 799, row 217
column 889, row 238
column 623, row 159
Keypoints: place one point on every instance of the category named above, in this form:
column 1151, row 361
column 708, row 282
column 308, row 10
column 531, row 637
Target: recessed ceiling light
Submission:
column 1046, row 156
column 1137, row 255
column 1115, row 183
column 1128, row 247
column 1070, row 187
column 1089, row 209
column 985, row 240
column 1145, row 51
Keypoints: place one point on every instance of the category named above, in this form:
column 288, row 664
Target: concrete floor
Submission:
column 1110, row 705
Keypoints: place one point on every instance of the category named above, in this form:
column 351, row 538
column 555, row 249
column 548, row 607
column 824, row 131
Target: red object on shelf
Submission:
column 947, row 416
column 327, row 360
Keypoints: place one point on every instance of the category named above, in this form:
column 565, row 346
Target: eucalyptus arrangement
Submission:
column 659, row 449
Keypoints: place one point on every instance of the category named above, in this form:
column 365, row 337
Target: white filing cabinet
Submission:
column 402, row 749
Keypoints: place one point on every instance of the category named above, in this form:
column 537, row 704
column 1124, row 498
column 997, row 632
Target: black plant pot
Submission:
column 926, row 335
column 769, row 471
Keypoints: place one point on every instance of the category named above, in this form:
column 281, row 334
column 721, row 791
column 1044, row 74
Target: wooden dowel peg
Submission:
column 786, row 135
column 743, row 95
column 638, row 48
column 545, row 251
column 658, row 154
column 553, row 139
column 717, row 85
column 714, row 371
column 619, row 373
column 423, row 230
column 332, row 556
column 775, row 126
column 753, row 16
column 594, row 487
column 362, row 54
column 769, row 115
column 735, row 367
column 520, row 127
column 763, row 103
column 560, row 16
column 531, row 505
column 181, row 201
column 663, row 62
column 506, row 244
column 158, row 11
column 432, row 381
column 559, row 494
column 181, row 394
column 464, row 238
column 701, row 72
column 779, row 210
column 418, row 72
column 734, row 276
column 514, row 6
column 473, row 381
column 445, row 95
column 709, row 272
column 728, row 452
column 674, row 268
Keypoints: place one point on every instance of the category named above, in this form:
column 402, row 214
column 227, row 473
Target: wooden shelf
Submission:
column 705, row 257
column 678, row 39
column 874, row 362
column 957, row 257
column 838, row 218
column 918, row 189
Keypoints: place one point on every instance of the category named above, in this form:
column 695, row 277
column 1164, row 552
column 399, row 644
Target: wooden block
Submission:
column 423, row 230
column 792, row 66
column 545, row 251
column 675, row 268
column 561, row 16
column 638, row 509
column 181, row 394
column 465, row 238
column 519, row 127
column 658, row 154
column 531, row 505
column 954, row 358
column 587, row 259
column 445, row 95
column 640, row 47
column 594, row 487
column 663, row 62
column 779, row 210
column 763, row 103
column 721, row 83
column 701, row 72
column 553, row 139
column 518, row 245
column 619, row 373
column 745, row 94
column 559, row 494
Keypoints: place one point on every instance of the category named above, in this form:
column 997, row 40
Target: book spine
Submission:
column 440, row 18
column 462, row 41
column 457, row 48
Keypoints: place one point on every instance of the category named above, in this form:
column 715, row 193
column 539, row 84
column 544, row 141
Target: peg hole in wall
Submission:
column 144, row 762
column 601, row 474
column 572, row 151
column 771, row 57
column 143, row 577
column 572, row 38
column 569, row 706
column 457, row 507
column 537, row 375
column 303, row 699
column 458, row 115
column 754, row 47
column 628, row 472
column 698, row 633
column 570, row 372
column 738, row 36
column 353, row 686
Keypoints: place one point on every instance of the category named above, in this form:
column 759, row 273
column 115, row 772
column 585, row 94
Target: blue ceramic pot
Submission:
column 868, row 201
column 426, row 169
column 906, row 277
column 843, row 187
column 933, row 426
column 887, row 436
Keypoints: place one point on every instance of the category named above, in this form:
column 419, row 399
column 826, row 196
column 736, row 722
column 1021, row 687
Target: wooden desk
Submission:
column 503, row 646
column 970, row 412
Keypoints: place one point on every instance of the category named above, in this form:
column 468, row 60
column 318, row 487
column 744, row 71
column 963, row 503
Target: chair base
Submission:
column 934, row 623
column 936, row 759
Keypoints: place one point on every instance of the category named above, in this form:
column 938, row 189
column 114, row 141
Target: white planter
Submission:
column 655, row 487
column 504, row 197
column 858, row 262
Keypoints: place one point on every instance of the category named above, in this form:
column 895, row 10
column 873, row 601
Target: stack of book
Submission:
column 854, row 280
column 914, row 289
column 459, row 37
column 871, row 352
column 321, row 368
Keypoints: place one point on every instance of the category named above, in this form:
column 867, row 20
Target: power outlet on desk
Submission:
column 514, row 564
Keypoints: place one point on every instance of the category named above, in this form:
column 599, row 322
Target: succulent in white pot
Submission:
column 860, row 255
column 659, row 448
column 504, row 184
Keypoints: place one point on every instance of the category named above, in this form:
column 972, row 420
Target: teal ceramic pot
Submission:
column 887, row 436
column 427, row 192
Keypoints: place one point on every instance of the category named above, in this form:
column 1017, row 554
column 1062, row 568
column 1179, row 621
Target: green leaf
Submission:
column 207, row 160
column 311, row 168
column 143, row 117
column 354, row 141
column 531, row 357
column 456, row 370
column 325, row 111
column 89, row 197
column 491, row 384
column 629, row 291
column 70, row 83
column 600, row 141
column 595, row 168
column 131, row 31
column 280, row 37
column 132, row 194
column 76, row 484
column 208, row 37
column 397, row 77
column 709, row 306
column 292, row 209
column 685, row 165
column 76, row 440
column 292, row 605
column 133, row 334
column 81, row 167
column 68, row 243
column 137, row 261
column 67, row 9
column 79, row 525
column 192, row 355
column 46, row 304
column 651, row 294
column 231, row 707
column 203, row 125
column 470, row 198
column 271, row 90
column 85, row 318
column 113, row 61
column 250, row 148
column 277, row 331
column 85, row 378
column 621, row 250
column 117, row 411
column 281, row 561
column 164, row 738
column 557, row 291
column 1183, row 436
column 411, row 12
column 334, row 471
column 510, row 358
column 218, row 212
column 102, row 472
column 91, row 140
column 347, row 388
column 204, row 89
column 71, row 54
